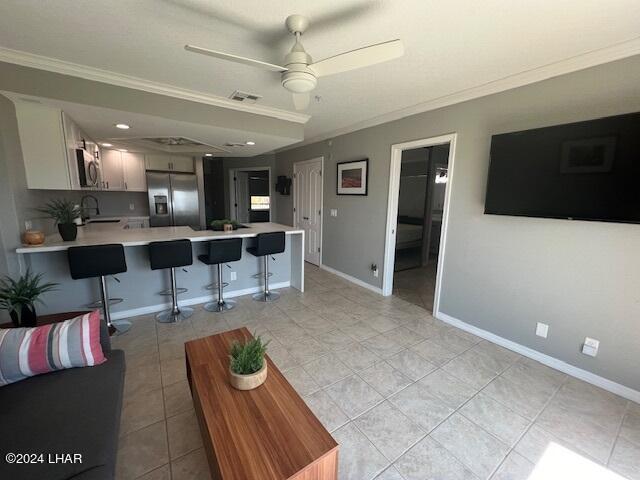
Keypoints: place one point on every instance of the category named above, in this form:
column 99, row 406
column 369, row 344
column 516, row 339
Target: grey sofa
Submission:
column 74, row 411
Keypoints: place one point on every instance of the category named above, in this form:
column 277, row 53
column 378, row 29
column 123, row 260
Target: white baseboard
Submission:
column 351, row 279
column 592, row 378
column 134, row 312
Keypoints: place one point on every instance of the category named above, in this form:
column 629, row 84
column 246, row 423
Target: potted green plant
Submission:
column 63, row 212
column 248, row 367
column 218, row 225
column 19, row 297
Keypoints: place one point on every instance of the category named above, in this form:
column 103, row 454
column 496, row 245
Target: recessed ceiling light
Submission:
column 208, row 154
column 122, row 126
column 106, row 144
column 250, row 142
column 123, row 150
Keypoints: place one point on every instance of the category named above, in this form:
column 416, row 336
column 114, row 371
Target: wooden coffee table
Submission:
column 264, row 434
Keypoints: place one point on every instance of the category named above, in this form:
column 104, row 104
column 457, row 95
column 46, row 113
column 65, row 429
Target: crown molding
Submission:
column 545, row 72
column 32, row 60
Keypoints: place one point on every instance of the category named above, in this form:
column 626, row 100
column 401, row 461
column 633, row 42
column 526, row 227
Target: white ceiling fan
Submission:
column 300, row 74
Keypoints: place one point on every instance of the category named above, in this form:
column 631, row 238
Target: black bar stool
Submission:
column 221, row 251
column 98, row 261
column 267, row 244
column 172, row 254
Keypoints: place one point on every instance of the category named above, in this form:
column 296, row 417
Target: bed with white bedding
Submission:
column 409, row 233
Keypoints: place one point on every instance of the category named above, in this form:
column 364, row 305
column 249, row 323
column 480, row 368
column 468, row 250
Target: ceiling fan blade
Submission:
column 235, row 58
column 362, row 57
column 301, row 100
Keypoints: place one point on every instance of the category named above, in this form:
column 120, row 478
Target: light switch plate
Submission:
column 28, row 225
column 233, row 276
column 334, row 212
column 590, row 347
column 132, row 206
column 542, row 330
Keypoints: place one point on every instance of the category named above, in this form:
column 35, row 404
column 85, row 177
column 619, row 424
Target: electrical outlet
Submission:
column 542, row 330
column 233, row 276
column 590, row 346
column 375, row 273
column 334, row 212
column 28, row 224
column 132, row 206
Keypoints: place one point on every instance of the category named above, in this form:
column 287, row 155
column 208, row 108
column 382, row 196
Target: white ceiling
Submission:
column 98, row 123
column 451, row 46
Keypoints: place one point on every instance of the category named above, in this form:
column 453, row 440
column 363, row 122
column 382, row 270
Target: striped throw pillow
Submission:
column 25, row 352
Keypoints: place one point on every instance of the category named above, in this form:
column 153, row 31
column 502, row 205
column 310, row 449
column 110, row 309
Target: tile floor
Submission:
column 417, row 285
column 405, row 395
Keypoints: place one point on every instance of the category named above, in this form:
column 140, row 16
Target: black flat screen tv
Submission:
column 583, row 171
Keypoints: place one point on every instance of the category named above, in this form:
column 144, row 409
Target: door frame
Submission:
column 232, row 190
column 392, row 209
column 293, row 191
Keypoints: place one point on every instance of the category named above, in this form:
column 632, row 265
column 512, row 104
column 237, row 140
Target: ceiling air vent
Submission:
column 234, row 144
column 245, row 97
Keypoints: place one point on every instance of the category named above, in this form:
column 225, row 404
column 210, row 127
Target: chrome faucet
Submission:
column 83, row 208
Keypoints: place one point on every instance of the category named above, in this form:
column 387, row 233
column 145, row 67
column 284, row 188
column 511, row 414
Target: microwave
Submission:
column 88, row 168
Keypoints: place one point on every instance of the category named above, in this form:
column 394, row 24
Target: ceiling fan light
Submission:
column 299, row 82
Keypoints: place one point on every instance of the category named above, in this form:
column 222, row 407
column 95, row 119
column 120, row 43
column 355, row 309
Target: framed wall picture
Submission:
column 353, row 177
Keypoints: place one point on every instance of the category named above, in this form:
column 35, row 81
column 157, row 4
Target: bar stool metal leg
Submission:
column 221, row 305
column 266, row 295
column 121, row 326
column 175, row 314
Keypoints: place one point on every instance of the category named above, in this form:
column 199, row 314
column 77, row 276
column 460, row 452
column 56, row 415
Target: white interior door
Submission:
column 308, row 206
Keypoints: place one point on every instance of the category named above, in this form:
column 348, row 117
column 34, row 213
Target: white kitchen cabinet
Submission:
column 158, row 162
column 44, row 150
column 169, row 163
column 182, row 164
column 112, row 170
column 135, row 175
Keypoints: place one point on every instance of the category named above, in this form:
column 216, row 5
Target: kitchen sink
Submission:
column 117, row 220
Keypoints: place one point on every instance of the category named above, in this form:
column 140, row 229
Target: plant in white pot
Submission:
column 248, row 367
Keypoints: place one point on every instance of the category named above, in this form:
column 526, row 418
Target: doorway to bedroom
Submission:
column 420, row 176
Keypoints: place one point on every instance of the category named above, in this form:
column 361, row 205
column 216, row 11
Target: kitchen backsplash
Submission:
column 112, row 204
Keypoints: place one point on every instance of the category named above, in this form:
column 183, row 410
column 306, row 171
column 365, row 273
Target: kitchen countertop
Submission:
column 99, row 234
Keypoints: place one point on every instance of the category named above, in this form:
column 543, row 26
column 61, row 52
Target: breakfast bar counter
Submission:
column 139, row 286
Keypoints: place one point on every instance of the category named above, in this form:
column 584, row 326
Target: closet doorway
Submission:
column 418, row 206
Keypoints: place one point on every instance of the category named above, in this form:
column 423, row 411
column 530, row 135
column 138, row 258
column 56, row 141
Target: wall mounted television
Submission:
column 583, row 171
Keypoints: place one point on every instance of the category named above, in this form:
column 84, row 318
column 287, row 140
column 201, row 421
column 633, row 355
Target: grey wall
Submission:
column 503, row 274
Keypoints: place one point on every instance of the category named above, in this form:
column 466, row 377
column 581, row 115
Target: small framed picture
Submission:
column 353, row 177
column 589, row 155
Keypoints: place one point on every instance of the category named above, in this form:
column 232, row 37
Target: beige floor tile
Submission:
column 177, row 398
column 389, row 430
column 433, row 352
column 495, row 418
column 173, row 371
column 142, row 451
column 404, row 336
column 142, row 375
column 193, row 466
column 447, row 388
column 382, row 346
column 514, row 467
column 357, row 357
column 141, row 410
column 359, row 459
column 428, row 460
column 421, row 407
column 625, row 459
column 481, row 452
column 385, row 379
column 327, row 370
column 162, row 473
column 524, row 399
column 301, row 381
column 183, row 433
column 353, row 395
column 390, row 473
column 326, row 410
column 411, row 364
column 631, row 428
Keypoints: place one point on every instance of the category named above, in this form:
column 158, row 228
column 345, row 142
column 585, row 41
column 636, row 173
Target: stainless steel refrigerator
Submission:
column 173, row 199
